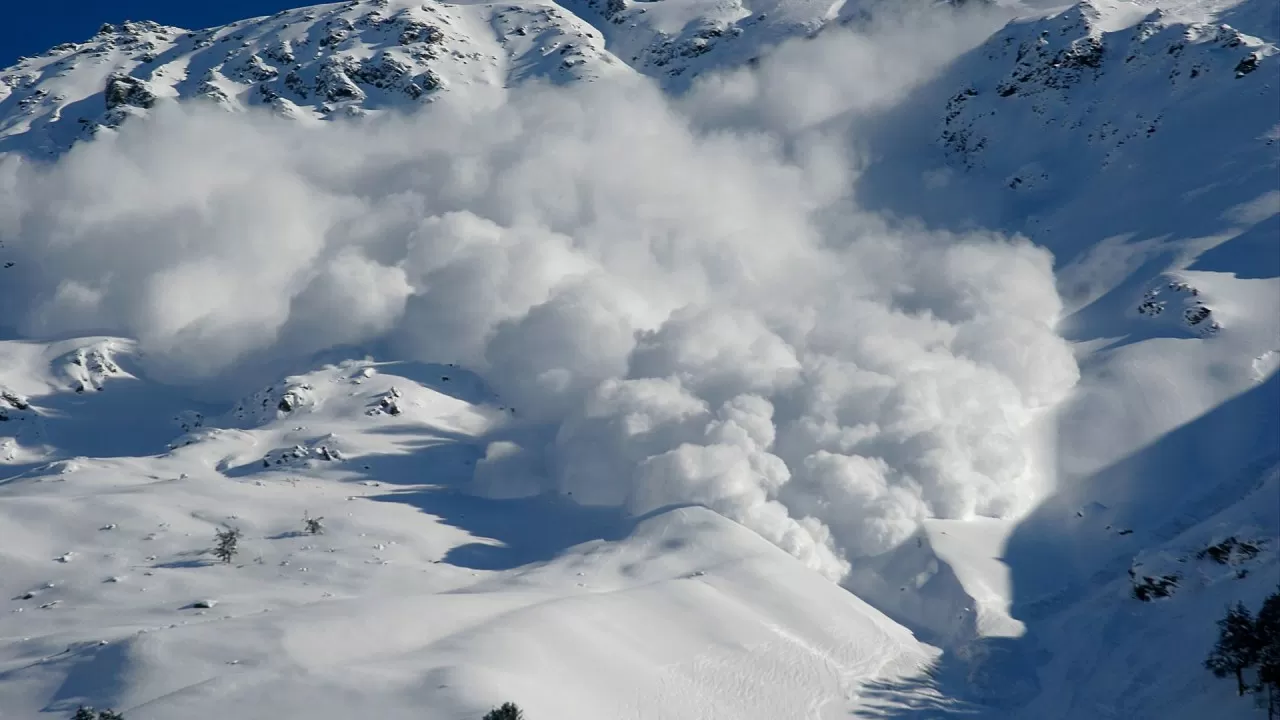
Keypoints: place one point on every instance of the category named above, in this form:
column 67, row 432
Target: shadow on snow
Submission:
column 1219, row 461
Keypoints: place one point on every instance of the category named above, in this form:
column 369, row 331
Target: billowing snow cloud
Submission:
column 682, row 289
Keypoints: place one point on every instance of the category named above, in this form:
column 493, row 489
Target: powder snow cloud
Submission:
column 681, row 290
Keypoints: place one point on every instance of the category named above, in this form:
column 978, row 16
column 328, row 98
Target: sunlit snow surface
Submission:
column 872, row 380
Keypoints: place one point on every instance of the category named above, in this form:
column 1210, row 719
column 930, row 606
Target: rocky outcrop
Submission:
column 1163, row 573
column 1062, row 72
column 271, row 403
column 328, row 61
column 1192, row 312
column 125, row 90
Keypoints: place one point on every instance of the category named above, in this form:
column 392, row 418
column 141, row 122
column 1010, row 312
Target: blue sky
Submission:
column 32, row 26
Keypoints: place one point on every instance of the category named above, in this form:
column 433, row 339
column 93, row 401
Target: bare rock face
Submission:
column 125, row 90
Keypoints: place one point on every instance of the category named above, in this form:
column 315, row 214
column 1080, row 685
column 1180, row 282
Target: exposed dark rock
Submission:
column 126, row 90
column 1247, row 65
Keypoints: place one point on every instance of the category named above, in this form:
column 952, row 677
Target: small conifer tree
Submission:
column 225, row 544
column 1267, row 627
column 313, row 524
column 1238, row 646
column 506, row 711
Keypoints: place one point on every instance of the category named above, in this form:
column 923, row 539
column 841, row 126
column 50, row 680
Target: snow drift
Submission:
column 691, row 305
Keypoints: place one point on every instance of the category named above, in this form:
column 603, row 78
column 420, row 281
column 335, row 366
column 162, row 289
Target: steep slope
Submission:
column 351, row 58
column 366, row 57
column 676, row 41
column 1140, row 145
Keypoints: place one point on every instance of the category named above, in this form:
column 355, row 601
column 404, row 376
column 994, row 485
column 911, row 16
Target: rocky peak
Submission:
column 316, row 63
column 1058, row 71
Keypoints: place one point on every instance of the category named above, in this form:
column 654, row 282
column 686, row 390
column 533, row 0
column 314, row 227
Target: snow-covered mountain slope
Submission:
column 368, row 56
column 348, row 58
column 662, row 308
column 1139, row 145
column 1137, row 141
column 1067, row 71
column 417, row 597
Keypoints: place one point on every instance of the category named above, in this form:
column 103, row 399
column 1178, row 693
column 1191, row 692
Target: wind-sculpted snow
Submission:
column 695, row 308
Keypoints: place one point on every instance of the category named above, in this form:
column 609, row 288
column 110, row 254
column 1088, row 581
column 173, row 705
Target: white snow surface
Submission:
column 667, row 359
column 402, row 605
